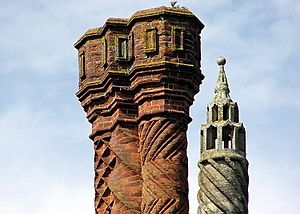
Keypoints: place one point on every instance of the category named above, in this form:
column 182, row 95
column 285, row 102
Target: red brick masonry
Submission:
column 138, row 78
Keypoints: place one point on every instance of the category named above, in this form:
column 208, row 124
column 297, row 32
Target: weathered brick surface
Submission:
column 138, row 78
column 164, row 165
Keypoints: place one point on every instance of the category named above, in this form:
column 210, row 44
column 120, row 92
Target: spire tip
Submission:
column 222, row 89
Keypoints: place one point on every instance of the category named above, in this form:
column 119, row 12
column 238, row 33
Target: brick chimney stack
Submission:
column 137, row 80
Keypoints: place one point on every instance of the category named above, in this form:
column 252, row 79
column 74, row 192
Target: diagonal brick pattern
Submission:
column 126, row 181
column 104, row 162
column 164, row 166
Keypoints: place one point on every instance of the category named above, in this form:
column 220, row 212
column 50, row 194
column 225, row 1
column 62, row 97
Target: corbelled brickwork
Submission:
column 223, row 177
column 138, row 78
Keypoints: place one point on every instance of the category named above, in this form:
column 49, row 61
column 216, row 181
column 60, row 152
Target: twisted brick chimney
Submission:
column 137, row 80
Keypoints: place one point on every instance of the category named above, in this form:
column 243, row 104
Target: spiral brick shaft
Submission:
column 164, row 166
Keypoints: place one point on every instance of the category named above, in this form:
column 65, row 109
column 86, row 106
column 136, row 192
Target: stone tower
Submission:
column 137, row 80
column 223, row 177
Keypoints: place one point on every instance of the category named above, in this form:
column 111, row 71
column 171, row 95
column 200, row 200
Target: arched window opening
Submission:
column 215, row 113
column 242, row 141
column 227, row 134
column 225, row 112
column 211, row 138
column 236, row 114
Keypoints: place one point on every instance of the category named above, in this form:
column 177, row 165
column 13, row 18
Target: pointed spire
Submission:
column 222, row 89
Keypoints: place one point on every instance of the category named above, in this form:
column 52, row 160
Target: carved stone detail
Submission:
column 224, row 186
column 223, row 177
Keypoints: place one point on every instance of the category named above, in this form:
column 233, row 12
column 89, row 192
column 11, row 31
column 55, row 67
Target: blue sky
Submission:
column 46, row 158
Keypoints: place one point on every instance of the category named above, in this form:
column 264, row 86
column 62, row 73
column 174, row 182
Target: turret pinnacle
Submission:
column 223, row 177
column 222, row 89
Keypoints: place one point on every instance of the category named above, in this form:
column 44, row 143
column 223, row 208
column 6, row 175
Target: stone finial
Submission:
column 221, row 61
column 222, row 89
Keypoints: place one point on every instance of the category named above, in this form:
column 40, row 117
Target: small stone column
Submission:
column 223, row 177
